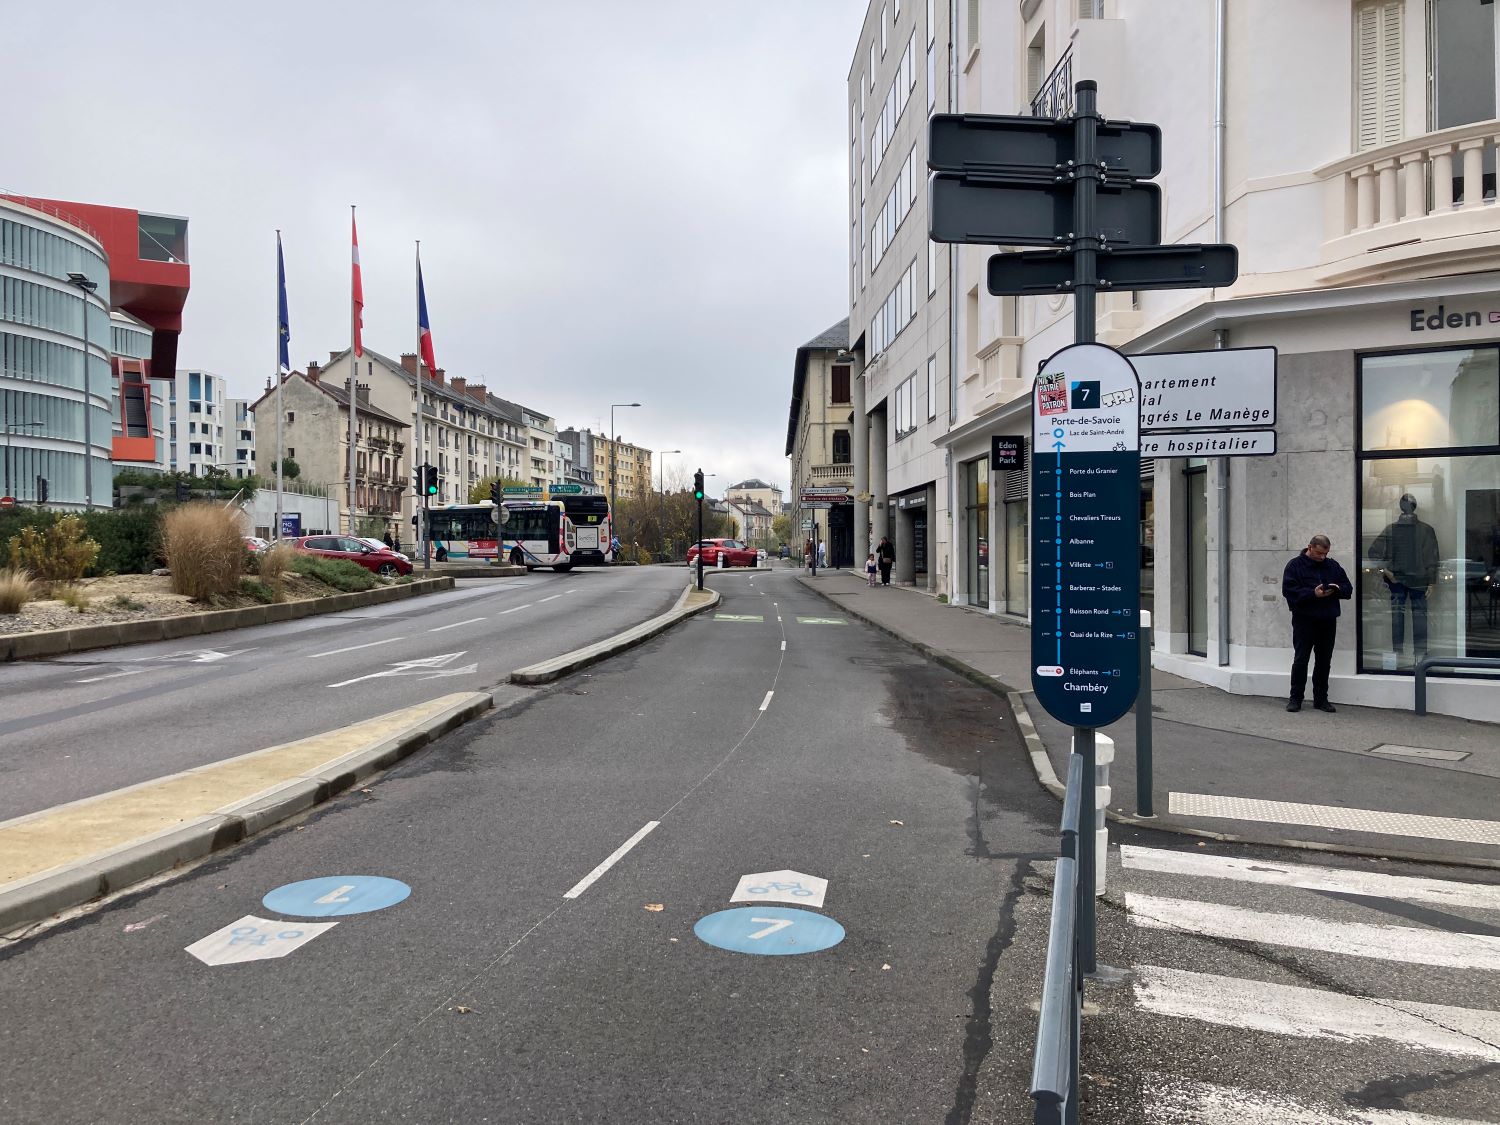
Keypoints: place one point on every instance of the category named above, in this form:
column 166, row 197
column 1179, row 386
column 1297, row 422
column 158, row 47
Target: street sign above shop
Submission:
column 1211, row 390
column 1085, row 520
column 1007, row 452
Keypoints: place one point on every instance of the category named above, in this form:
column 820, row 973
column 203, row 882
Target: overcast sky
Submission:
column 617, row 202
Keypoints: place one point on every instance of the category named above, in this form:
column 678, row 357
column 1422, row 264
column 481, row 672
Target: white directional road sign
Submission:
column 1209, row 443
column 791, row 887
column 1211, row 390
column 255, row 939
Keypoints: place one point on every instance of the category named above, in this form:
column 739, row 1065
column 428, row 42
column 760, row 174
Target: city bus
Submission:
column 536, row 533
column 592, row 529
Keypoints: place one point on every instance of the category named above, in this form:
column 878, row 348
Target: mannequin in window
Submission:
column 1409, row 549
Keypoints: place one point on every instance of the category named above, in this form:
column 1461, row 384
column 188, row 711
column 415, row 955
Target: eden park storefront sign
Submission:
column 1433, row 320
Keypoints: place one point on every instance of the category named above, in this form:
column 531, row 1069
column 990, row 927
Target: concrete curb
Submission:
column 1046, row 776
column 559, row 666
column 40, row 896
column 54, row 642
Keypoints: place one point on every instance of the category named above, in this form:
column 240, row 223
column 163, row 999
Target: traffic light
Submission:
column 182, row 491
column 431, row 482
column 41, row 489
column 495, row 492
column 698, row 485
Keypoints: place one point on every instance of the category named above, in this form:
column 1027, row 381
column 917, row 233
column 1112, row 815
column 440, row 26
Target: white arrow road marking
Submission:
column 113, row 675
column 352, row 648
column 776, row 924
column 456, row 624
column 432, row 667
column 338, row 894
column 205, row 655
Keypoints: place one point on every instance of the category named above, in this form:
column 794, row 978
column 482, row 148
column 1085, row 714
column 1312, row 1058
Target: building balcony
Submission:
column 1415, row 208
column 378, row 443
column 833, row 474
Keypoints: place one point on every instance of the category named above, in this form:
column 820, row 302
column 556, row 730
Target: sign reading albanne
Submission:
column 1085, row 519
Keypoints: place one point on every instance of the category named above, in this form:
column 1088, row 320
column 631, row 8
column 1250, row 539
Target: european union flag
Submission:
column 283, row 323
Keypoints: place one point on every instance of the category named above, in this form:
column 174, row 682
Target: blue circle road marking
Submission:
column 336, row 895
column 773, row 931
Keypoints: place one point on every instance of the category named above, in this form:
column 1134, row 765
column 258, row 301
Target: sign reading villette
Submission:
column 1085, row 518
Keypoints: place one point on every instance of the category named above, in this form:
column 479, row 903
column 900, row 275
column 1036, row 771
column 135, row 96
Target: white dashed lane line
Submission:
column 618, row 854
column 515, row 609
column 766, row 702
column 353, row 648
column 456, row 624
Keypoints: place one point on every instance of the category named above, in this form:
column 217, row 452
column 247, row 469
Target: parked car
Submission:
column 735, row 553
column 255, row 544
column 384, row 562
column 379, row 546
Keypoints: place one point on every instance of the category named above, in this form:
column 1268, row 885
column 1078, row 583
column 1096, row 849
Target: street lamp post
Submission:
column 614, row 441
column 85, row 287
column 661, row 509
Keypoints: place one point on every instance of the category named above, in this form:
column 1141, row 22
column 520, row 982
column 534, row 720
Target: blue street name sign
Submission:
column 1085, row 520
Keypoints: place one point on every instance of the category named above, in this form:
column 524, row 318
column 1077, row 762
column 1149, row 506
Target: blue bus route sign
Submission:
column 1085, row 529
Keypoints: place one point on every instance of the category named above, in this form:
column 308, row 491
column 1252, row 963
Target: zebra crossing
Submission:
column 1279, row 992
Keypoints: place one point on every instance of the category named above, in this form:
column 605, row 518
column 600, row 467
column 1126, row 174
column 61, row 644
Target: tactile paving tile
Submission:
column 1331, row 816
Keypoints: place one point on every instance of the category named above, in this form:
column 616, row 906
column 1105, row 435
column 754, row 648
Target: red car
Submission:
column 735, row 553
column 387, row 564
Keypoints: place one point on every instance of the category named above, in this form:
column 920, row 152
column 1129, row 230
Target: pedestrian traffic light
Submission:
column 41, row 489
column 495, row 492
column 182, row 491
column 431, row 482
column 698, row 485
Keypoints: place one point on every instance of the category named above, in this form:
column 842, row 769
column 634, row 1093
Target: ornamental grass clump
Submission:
column 205, row 550
column 58, row 553
column 272, row 565
column 16, row 589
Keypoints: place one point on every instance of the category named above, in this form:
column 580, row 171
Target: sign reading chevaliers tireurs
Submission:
column 1085, row 519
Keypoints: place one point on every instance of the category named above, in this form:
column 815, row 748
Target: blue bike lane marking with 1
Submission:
column 771, row 931
column 336, row 895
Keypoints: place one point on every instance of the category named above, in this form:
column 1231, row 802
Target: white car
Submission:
column 379, row 545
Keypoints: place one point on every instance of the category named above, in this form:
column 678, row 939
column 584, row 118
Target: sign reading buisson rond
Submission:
column 1085, row 519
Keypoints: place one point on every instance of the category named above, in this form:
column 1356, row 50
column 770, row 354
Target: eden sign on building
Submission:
column 1424, row 321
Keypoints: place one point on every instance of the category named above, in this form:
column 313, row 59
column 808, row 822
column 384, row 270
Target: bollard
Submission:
column 1143, row 719
column 1104, row 754
column 719, row 560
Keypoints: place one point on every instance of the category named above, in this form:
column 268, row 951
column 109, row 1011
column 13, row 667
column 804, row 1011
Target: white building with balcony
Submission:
column 197, row 420
column 1348, row 149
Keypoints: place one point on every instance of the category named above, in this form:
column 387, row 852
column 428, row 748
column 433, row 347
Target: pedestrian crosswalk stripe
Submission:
column 1352, row 939
column 1332, row 816
column 1202, row 1103
column 1316, row 1014
column 820, row 621
column 1374, row 884
column 738, row 617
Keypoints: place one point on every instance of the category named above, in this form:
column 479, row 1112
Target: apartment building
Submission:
column 821, row 445
column 899, row 294
column 1354, row 167
column 621, row 468
column 578, row 458
column 240, row 440
column 197, row 409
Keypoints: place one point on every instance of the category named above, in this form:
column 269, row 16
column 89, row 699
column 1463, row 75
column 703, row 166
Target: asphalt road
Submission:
column 526, row 978
column 75, row 726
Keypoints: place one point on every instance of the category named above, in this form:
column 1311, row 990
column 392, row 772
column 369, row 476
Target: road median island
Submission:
column 74, row 853
column 691, row 602
column 55, row 642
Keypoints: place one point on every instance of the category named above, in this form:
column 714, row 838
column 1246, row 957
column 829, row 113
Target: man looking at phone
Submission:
column 1313, row 585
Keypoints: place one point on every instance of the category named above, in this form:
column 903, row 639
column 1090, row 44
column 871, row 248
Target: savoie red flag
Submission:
column 424, row 329
column 359, row 292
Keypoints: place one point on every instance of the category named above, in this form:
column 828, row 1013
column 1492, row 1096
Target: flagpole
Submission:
column 354, row 350
column 418, row 456
column 280, row 378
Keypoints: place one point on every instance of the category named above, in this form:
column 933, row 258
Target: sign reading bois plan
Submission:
column 1085, row 530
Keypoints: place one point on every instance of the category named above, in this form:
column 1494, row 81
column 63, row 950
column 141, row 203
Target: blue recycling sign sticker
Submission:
column 336, row 895
column 772, row 931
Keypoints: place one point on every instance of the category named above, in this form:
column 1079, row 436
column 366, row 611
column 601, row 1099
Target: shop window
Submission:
column 1429, row 507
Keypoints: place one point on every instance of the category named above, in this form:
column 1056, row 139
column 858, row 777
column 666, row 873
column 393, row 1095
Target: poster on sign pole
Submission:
column 1085, row 518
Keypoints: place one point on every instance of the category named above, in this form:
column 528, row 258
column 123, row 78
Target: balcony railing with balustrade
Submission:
column 1054, row 98
column 833, row 473
column 1390, row 206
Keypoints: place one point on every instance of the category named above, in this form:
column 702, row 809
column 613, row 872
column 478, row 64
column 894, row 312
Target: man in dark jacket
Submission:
column 885, row 557
column 1410, row 550
column 1313, row 585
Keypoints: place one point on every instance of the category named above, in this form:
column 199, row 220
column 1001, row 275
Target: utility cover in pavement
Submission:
column 336, row 894
column 781, row 886
column 773, row 931
column 255, row 939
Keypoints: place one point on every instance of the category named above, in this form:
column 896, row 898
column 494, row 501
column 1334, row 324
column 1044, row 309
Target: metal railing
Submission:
column 1070, row 950
column 1054, row 97
column 53, row 210
column 1446, row 662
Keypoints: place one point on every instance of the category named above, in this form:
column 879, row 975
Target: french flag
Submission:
column 424, row 327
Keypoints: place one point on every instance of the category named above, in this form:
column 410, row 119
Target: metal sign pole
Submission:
column 700, row 538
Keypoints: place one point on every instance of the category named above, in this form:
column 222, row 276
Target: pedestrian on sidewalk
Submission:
column 870, row 570
column 886, row 554
column 808, row 557
column 822, row 553
column 386, row 539
column 1313, row 585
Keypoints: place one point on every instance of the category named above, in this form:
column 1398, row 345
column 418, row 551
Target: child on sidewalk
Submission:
column 870, row 570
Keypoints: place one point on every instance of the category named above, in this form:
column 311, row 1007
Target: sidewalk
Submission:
column 1364, row 780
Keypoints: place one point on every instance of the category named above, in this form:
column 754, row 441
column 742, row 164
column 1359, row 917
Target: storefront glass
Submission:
column 1196, row 482
column 977, row 521
column 1429, row 518
column 1017, row 557
column 1148, row 544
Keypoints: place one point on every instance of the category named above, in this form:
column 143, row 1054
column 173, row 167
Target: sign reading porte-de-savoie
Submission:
column 1085, row 518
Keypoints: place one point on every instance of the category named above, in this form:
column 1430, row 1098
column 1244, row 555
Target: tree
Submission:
column 480, row 492
column 290, row 470
column 781, row 528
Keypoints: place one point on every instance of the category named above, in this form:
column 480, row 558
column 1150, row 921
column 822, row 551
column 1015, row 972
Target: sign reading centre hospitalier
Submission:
column 1085, row 520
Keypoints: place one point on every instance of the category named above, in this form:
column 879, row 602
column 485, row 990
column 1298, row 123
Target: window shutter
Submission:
column 1379, row 100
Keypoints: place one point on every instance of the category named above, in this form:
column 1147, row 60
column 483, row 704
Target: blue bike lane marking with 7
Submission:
column 336, row 895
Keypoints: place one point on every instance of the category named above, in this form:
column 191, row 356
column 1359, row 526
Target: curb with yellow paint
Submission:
column 71, row 854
